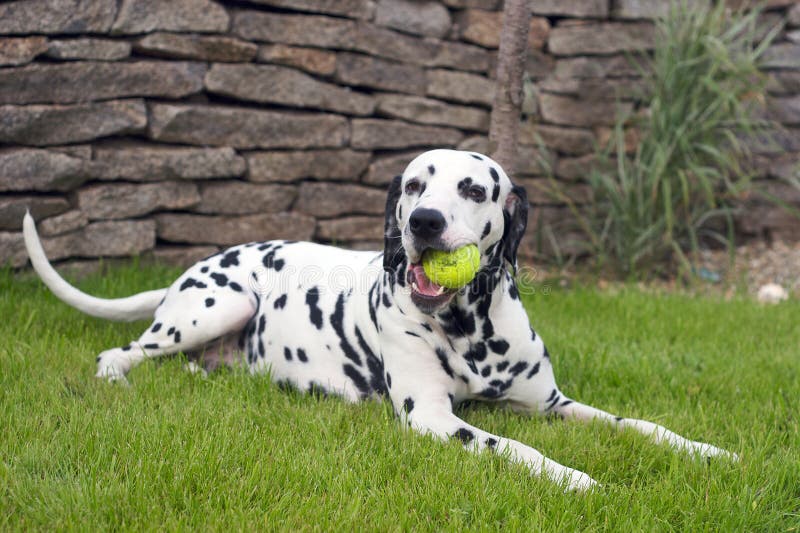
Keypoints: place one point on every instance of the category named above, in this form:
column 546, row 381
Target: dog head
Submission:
column 444, row 200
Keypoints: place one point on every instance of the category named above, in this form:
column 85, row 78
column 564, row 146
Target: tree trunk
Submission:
column 504, row 125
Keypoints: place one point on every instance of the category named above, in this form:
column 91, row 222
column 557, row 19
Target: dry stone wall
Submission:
column 172, row 129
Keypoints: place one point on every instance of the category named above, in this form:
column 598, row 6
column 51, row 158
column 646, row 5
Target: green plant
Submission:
column 653, row 211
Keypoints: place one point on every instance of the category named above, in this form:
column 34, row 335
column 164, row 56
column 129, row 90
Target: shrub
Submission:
column 651, row 212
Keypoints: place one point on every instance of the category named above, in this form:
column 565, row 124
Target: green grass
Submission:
column 176, row 451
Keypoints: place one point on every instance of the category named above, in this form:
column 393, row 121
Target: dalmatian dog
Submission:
column 368, row 324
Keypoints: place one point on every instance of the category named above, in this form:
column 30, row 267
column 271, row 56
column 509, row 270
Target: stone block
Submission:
column 356, row 228
column 238, row 198
column 332, row 200
column 372, row 134
column 435, row 112
column 280, row 85
column 181, row 256
column 196, row 47
column 12, row 209
column 146, row 162
column 87, row 81
column 31, row 169
column 384, row 168
column 601, row 38
column 145, row 16
column 290, row 166
column 246, row 127
column 322, row 62
column 20, row 50
column 425, row 18
column 125, row 200
column 375, row 73
column 567, row 111
column 460, row 87
column 228, row 231
column 42, row 125
column 618, row 66
column 571, row 141
column 64, row 223
column 57, row 16
column 571, row 8
column 89, row 49
column 782, row 56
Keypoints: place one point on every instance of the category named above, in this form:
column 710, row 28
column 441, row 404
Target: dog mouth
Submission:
column 426, row 294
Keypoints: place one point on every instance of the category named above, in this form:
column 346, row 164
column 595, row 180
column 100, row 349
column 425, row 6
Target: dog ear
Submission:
column 392, row 247
column 515, row 216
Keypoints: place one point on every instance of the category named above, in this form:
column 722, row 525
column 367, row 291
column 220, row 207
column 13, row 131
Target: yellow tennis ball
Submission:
column 453, row 269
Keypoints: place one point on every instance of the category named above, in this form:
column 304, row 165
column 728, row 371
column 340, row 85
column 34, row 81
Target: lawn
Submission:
column 176, row 451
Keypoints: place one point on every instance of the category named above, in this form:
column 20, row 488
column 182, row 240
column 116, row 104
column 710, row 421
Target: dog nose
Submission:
column 426, row 223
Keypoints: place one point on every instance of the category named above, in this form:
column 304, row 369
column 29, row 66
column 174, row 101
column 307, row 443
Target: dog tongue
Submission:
column 425, row 285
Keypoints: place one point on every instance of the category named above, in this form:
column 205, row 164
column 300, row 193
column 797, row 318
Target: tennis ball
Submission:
column 453, row 269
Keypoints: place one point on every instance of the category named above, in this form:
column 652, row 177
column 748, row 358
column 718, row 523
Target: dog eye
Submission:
column 477, row 193
column 413, row 187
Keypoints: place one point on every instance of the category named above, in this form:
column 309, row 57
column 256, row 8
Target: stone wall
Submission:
column 174, row 128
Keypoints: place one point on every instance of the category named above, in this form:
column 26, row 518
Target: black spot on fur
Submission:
column 177, row 338
column 235, row 286
column 546, row 354
column 491, row 442
column 533, row 371
column 287, row 353
column 337, row 323
column 230, row 259
column 209, row 302
column 486, row 230
column 385, row 300
column 495, row 193
column 477, row 352
column 408, row 404
column 389, row 380
column 280, row 302
column 204, row 269
column 518, row 368
column 494, row 174
column 314, row 312
column 444, row 362
column 499, row 346
column 301, row 354
column 431, row 170
column 191, row 282
column 618, row 419
column 464, row 435
column 170, row 331
column 194, row 322
column 426, row 326
column 374, row 365
column 487, row 370
column 490, row 393
column 357, row 379
column 411, row 333
column 151, row 346
column 278, row 265
column 458, row 322
column 513, row 292
column 220, row 279
column 502, row 366
column 262, row 324
column 156, row 327
column 125, row 349
column 476, row 156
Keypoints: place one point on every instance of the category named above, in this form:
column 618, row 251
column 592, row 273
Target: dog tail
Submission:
column 136, row 307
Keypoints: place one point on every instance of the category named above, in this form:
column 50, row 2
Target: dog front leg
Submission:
column 437, row 419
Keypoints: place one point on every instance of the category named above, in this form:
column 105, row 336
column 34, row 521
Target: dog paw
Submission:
column 708, row 451
column 577, row 481
column 110, row 369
